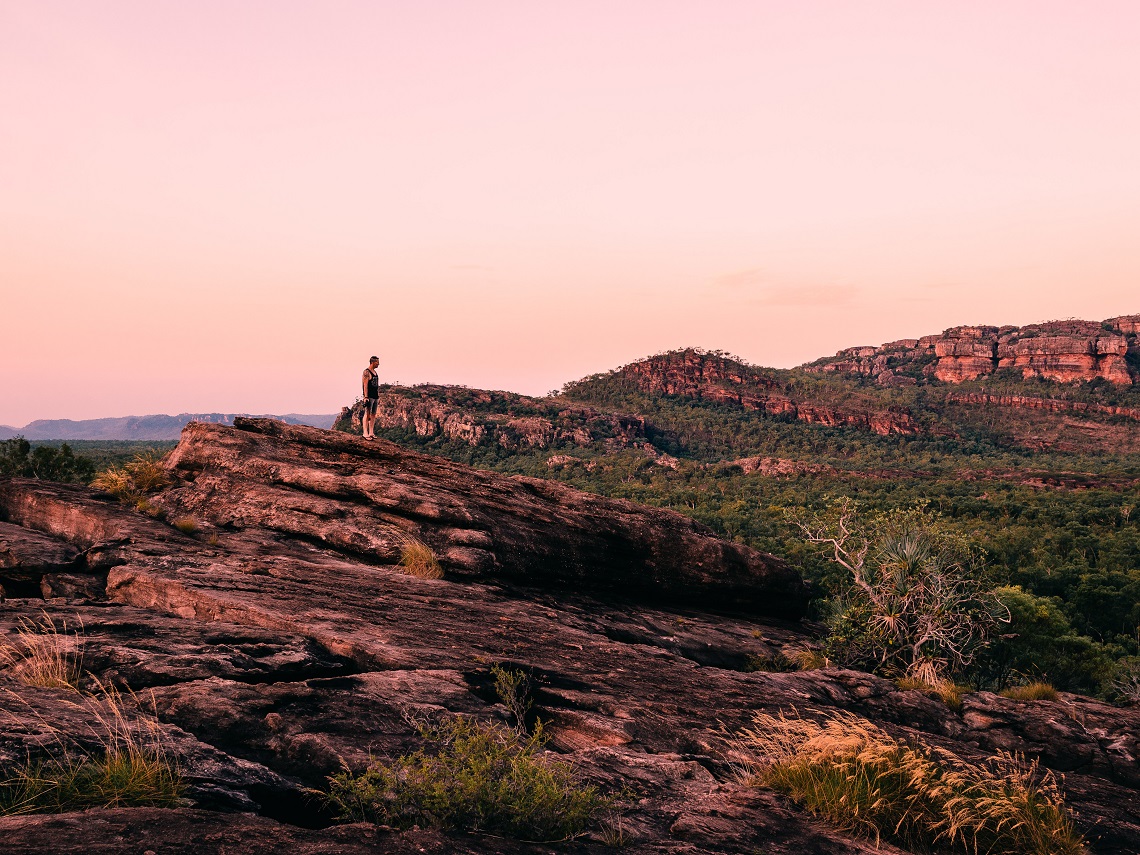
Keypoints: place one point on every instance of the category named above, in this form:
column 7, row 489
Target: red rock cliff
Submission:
column 1063, row 351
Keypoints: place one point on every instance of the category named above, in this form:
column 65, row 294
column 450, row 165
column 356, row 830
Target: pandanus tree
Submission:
column 912, row 602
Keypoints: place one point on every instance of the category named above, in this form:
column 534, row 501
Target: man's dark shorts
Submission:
column 370, row 406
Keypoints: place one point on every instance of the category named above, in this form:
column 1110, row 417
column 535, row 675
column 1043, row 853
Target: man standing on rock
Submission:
column 371, row 385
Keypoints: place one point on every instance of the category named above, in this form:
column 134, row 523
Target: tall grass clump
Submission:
column 131, row 482
column 861, row 779
column 1035, row 691
column 45, row 654
column 473, row 776
column 417, row 559
column 129, row 767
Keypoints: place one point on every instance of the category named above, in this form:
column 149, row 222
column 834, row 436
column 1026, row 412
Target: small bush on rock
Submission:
column 864, row 781
column 473, row 776
column 513, row 687
column 186, row 525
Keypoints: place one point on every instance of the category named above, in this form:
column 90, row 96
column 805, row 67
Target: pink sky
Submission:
column 228, row 206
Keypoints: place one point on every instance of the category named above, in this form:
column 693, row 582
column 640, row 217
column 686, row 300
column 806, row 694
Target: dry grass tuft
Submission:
column 1035, row 691
column 864, row 781
column 417, row 559
column 775, row 663
column 147, row 473
column 947, row 691
column 131, row 482
column 809, row 659
column 130, row 768
column 186, row 525
column 45, row 654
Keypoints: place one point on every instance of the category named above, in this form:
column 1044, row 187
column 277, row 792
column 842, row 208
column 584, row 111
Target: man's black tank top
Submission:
column 373, row 384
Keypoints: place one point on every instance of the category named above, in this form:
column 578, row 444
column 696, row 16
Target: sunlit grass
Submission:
column 417, row 559
column 864, row 781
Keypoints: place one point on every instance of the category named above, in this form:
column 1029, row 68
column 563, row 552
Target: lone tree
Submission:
column 912, row 603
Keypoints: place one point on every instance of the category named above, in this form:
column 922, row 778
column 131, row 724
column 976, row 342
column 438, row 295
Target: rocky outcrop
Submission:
column 477, row 417
column 367, row 500
column 700, row 375
column 1062, row 351
column 279, row 643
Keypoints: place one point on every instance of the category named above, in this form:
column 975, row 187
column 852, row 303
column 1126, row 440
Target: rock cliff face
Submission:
column 478, row 417
column 1063, row 351
column 279, row 643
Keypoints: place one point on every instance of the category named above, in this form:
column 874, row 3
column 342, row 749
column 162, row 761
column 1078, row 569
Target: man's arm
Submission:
column 364, row 384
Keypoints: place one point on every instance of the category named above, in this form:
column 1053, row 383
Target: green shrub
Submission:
column 513, row 688
column 473, row 776
column 17, row 457
column 861, row 779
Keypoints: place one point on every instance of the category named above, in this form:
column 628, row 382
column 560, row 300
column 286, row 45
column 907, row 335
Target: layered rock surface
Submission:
column 279, row 643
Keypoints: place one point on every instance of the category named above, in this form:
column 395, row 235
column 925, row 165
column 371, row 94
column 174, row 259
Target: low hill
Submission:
column 154, row 427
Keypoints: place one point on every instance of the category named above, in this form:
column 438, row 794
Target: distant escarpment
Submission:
column 1062, row 351
column 721, row 379
column 1070, row 386
column 477, row 417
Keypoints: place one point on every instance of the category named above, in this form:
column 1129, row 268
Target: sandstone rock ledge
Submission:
column 278, row 644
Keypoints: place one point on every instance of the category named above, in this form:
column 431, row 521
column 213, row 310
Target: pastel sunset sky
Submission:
column 228, row 206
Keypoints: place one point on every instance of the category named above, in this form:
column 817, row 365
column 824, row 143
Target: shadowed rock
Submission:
column 367, row 500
